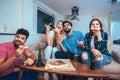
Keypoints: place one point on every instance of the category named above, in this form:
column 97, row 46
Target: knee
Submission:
column 84, row 56
column 57, row 54
column 99, row 58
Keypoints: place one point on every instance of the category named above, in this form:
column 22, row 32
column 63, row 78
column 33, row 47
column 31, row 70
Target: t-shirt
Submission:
column 6, row 51
column 71, row 42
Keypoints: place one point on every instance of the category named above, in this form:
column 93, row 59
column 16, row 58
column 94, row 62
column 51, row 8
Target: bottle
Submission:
column 39, row 55
column 39, row 61
column 92, row 65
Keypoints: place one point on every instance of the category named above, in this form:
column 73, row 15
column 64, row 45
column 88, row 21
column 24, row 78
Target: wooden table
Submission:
column 82, row 70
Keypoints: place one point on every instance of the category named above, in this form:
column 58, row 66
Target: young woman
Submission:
column 96, row 45
column 52, row 46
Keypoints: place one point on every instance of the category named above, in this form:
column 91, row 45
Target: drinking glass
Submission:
column 75, row 55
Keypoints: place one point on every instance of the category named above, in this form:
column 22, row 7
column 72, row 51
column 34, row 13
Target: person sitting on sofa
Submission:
column 52, row 46
column 71, row 46
column 10, row 53
column 96, row 45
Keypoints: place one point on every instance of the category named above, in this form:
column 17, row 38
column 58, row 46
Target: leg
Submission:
column 86, row 58
column 54, row 50
column 48, row 51
column 30, row 75
column 62, row 55
column 99, row 64
column 12, row 76
column 20, row 74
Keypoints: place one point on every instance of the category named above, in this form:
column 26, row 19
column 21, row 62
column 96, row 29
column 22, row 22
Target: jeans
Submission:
column 69, row 55
column 100, row 63
column 27, row 75
column 63, row 55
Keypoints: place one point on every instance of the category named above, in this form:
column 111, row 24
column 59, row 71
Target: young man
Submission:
column 73, row 44
column 9, row 56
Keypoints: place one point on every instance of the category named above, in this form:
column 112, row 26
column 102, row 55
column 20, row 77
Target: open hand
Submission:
column 29, row 62
column 96, row 53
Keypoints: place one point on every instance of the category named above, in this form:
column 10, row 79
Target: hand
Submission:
column 98, row 34
column 29, row 62
column 59, row 39
column 96, row 53
column 81, row 44
column 47, row 28
column 19, row 51
column 57, row 31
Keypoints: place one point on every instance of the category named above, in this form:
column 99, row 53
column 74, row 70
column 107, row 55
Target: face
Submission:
column 95, row 26
column 67, row 27
column 19, row 40
column 60, row 26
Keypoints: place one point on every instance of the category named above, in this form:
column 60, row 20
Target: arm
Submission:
column 47, row 34
column 87, row 42
column 31, row 58
column 59, row 42
column 81, row 41
column 4, row 64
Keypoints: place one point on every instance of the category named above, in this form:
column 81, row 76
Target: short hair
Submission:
column 67, row 22
column 23, row 32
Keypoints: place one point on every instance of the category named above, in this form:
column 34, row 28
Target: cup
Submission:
column 75, row 55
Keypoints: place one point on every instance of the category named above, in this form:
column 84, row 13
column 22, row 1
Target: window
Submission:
column 43, row 18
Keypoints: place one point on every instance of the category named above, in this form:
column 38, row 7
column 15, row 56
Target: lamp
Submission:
column 115, row 1
column 75, row 13
column 75, row 19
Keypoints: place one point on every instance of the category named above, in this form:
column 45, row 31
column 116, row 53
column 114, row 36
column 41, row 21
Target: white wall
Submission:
column 83, row 24
column 16, row 14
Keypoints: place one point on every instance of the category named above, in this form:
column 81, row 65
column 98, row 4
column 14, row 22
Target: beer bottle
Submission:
column 39, row 61
column 92, row 65
column 39, row 55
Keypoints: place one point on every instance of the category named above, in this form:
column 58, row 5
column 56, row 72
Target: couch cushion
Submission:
column 116, row 53
column 109, row 44
column 33, row 47
column 42, row 44
column 113, row 68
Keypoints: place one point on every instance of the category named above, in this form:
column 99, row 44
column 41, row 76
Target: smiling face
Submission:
column 60, row 25
column 67, row 27
column 19, row 40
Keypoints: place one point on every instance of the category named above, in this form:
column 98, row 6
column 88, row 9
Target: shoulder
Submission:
column 88, row 34
column 104, row 33
column 77, row 32
column 6, row 44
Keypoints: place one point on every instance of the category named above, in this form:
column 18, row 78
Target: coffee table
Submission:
column 82, row 70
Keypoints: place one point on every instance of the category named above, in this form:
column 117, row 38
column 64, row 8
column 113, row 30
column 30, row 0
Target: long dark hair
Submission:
column 99, row 23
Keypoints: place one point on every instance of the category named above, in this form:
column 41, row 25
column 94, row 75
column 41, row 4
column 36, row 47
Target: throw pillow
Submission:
column 116, row 55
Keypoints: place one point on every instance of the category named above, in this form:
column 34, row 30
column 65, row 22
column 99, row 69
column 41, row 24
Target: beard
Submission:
column 16, row 45
column 67, row 31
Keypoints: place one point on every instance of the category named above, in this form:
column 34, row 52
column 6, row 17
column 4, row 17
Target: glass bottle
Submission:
column 39, row 55
column 92, row 65
column 75, row 55
column 39, row 61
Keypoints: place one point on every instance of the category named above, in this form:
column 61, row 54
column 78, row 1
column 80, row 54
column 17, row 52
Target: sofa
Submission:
column 112, row 69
